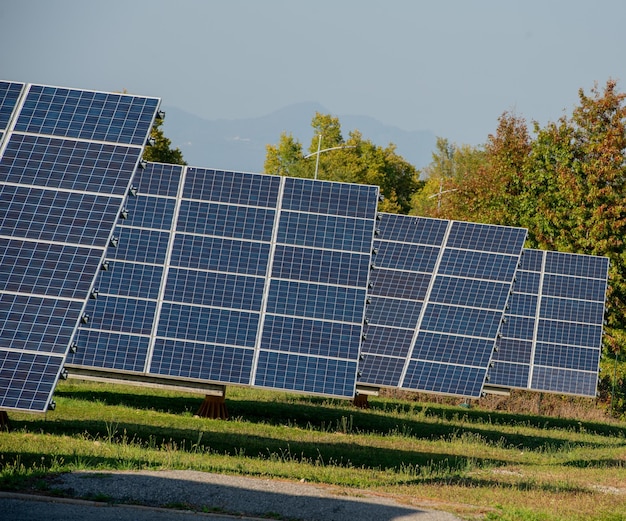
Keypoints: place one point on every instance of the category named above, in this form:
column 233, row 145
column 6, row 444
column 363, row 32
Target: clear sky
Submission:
column 448, row 66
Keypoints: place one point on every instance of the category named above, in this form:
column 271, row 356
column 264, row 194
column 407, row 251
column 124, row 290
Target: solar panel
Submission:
column 67, row 159
column 552, row 338
column 247, row 279
column 437, row 298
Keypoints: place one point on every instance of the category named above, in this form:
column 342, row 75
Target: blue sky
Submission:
column 448, row 66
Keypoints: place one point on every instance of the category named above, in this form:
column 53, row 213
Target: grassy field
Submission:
column 475, row 463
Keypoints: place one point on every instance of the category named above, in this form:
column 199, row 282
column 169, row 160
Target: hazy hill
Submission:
column 240, row 144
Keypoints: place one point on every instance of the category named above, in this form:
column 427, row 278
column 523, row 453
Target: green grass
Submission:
column 475, row 463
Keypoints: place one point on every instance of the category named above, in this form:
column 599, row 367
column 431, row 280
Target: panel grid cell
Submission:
column 158, row 179
column 9, row 95
column 95, row 116
column 65, row 217
column 325, row 231
column 485, row 237
column 311, row 337
column 393, row 312
column 27, row 380
column 46, row 268
column 31, row 323
column 139, row 245
column 107, row 350
column 218, row 254
column 330, row 267
column 308, row 374
column 214, row 289
column 310, row 196
column 405, row 257
column 326, row 302
column 68, row 165
column 202, row 361
column 221, row 220
column 413, row 230
column 128, row 279
column 155, row 213
column 231, row 187
column 209, row 325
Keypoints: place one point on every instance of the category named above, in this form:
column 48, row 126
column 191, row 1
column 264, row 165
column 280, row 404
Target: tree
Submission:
column 573, row 193
column 353, row 160
column 496, row 186
column 161, row 151
column 445, row 193
column 286, row 158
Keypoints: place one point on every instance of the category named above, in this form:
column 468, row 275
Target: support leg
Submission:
column 5, row 425
column 360, row 401
column 213, row 407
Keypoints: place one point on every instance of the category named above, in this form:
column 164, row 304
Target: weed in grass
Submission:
column 345, row 425
column 111, row 429
column 196, row 447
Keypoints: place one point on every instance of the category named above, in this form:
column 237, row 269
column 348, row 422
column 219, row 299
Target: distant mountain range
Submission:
column 239, row 144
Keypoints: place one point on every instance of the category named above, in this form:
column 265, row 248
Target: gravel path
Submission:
column 238, row 495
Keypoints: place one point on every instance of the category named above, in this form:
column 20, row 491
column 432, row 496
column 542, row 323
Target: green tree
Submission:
column 574, row 187
column 445, row 193
column 161, row 150
column 352, row 160
column 285, row 158
column 496, row 186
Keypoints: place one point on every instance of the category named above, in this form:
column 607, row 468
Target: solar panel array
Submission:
column 237, row 278
column 67, row 158
column 251, row 279
column 552, row 338
column 438, row 297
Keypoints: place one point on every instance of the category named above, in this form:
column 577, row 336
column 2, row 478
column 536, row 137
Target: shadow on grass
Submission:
column 338, row 453
column 323, row 414
column 597, row 464
column 45, row 461
column 165, row 404
column 379, row 422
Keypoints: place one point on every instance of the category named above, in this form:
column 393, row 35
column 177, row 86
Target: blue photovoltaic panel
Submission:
column 86, row 115
column 67, row 164
column 158, row 179
column 327, row 198
column 46, row 268
column 49, row 215
column 137, row 270
column 438, row 295
column 552, row 337
column 64, row 174
column 407, row 250
column 115, row 351
column 203, row 361
column 231, row 187
column 323, row 244
column 255, row 276
column 9, row 95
